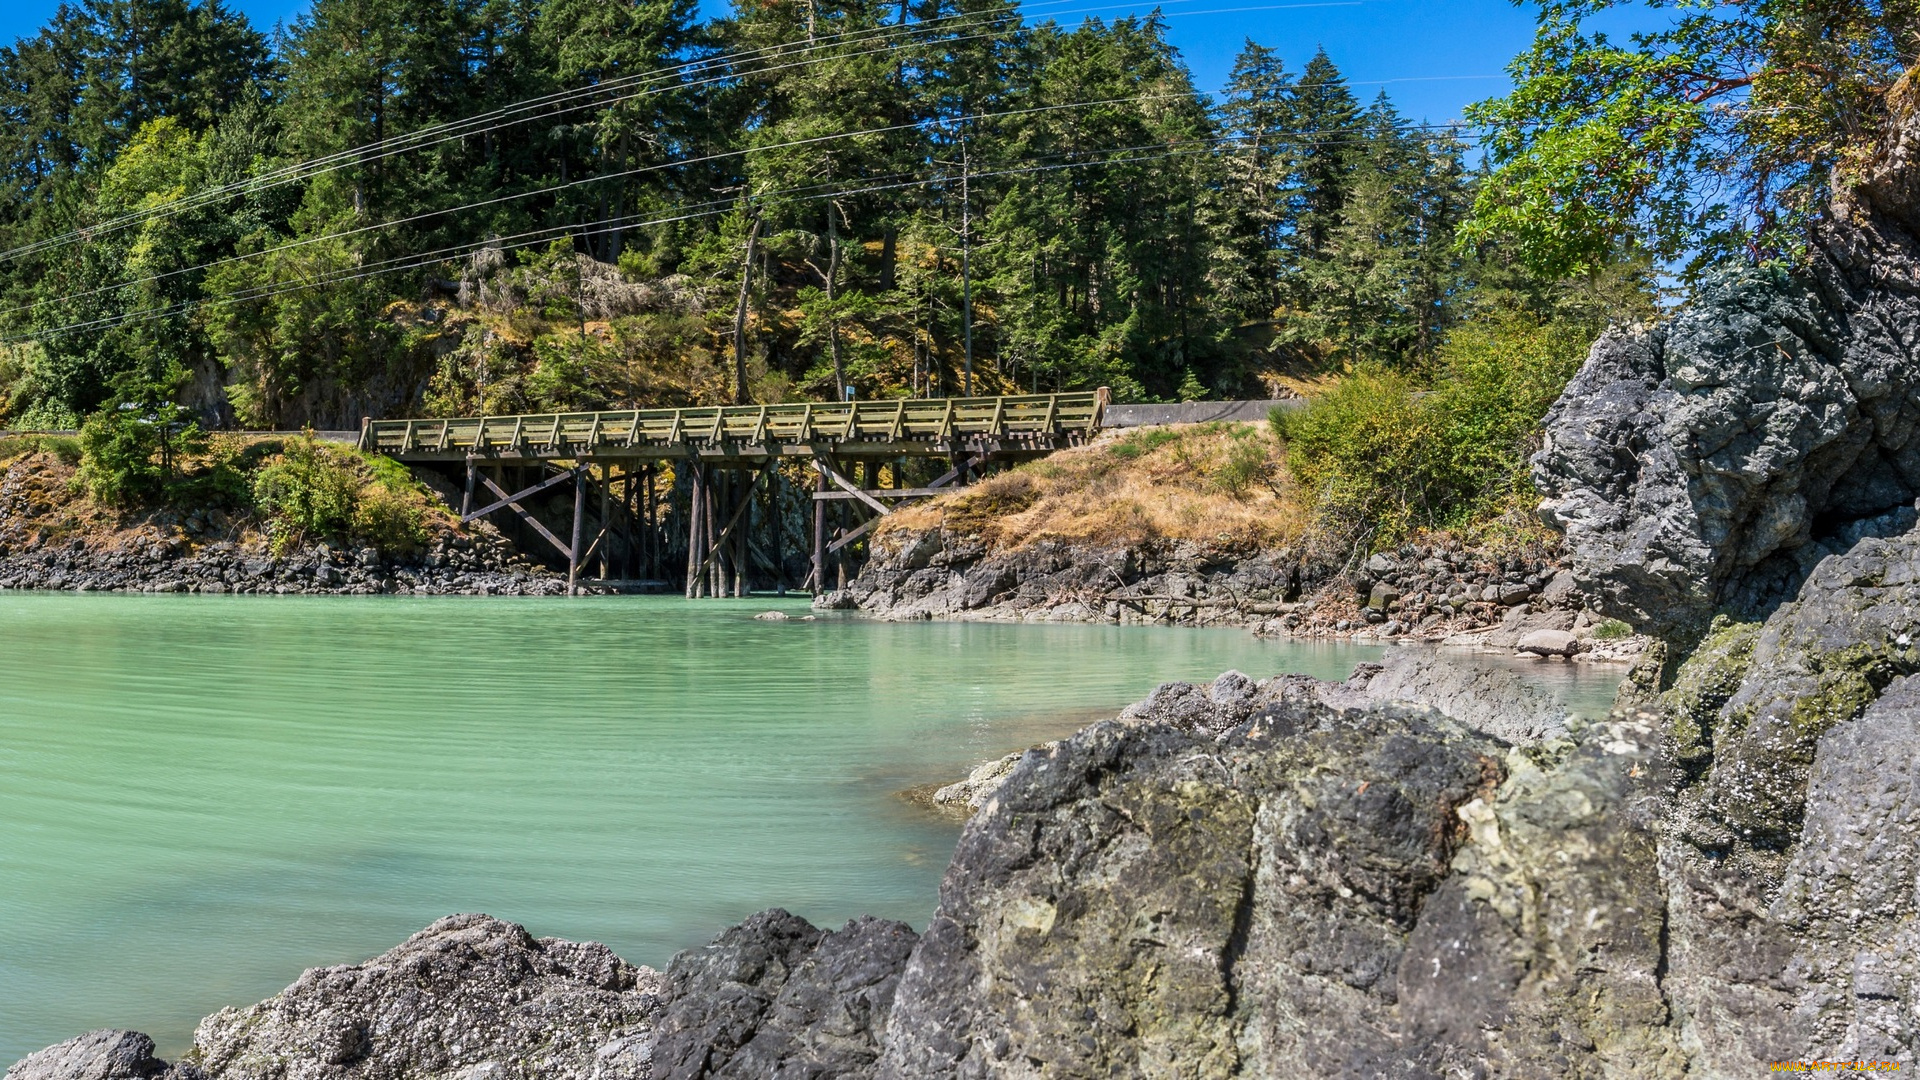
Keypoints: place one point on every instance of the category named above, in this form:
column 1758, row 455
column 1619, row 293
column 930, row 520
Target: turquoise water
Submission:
column 201, row 796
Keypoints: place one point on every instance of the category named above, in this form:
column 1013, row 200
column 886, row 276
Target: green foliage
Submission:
column 1611, row 630
column 1137, row 444
column 1112, row 225
column 1382, row 459
column 131, row 452
column 63, row 447
column 1247, row 463
column 1709, row 137
column 311, row 489
column 314, row 489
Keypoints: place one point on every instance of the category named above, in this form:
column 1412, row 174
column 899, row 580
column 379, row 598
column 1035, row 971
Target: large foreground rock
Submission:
column 97, row 1055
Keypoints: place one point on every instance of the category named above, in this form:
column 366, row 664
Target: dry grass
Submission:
column 1222, row 484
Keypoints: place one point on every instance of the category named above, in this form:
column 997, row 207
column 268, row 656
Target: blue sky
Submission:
column 1432, row 56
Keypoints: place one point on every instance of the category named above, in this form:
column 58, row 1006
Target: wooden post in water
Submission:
column 652, row 537
column 606, row 517
column 717, row 490
column 579, row 525
column 696, row 514
column 743, row 555
column 779, row 520
column 629, row 567
column 819, row 577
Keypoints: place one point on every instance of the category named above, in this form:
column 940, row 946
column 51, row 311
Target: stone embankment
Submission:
column 161, row 563
column 1416, row 593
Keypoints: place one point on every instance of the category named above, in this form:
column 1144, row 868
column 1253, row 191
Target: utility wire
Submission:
column 641, row 170
column 671, row 75
column 522, row 240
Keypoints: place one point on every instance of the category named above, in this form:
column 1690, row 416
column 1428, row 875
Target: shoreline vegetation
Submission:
column 237, row 514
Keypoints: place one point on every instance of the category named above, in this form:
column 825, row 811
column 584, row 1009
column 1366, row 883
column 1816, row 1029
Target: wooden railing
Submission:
column 938, row 420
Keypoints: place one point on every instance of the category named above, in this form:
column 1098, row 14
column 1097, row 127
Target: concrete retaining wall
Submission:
column 1193, row 412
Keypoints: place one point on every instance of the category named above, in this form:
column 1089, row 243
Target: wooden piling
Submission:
column 579, row 527
column 779, row 520
column 606, row 517
column 650, row 556
column 696, row 515
column 819, row 577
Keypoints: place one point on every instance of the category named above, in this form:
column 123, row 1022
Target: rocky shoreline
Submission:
column 157, row 563
column 1418, row 593
column 44, row 546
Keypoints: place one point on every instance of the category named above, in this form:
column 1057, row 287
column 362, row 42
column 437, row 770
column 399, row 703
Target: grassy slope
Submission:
column 1222, row 484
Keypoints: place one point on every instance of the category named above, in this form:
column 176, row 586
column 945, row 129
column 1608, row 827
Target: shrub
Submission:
column 130, row 453
column 1246, row 464
column 1382, row 460
column 309, row 490
column 389, row 519
column 1611, row 630
column 315, row 489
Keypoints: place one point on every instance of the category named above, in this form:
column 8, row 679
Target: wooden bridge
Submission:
column 705, row 469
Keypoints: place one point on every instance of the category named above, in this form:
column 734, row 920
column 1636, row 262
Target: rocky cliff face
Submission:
column 1714, row 461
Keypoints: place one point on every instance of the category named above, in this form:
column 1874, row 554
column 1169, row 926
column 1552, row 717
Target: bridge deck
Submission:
column 1002, row 426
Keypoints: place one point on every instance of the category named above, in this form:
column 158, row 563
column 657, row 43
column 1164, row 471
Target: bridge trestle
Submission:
column 721, row 484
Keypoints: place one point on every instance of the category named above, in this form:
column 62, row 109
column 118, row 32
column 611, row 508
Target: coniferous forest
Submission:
column 450, row 206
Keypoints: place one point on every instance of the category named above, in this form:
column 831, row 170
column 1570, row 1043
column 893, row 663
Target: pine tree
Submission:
column 1326, row 140
column 1256, row 111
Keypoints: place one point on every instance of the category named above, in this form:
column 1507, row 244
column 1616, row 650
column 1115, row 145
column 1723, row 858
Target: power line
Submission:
column 641, row 170
column 435, row 135
column 708, row 209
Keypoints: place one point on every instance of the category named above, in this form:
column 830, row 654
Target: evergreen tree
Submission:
column 1257, row 112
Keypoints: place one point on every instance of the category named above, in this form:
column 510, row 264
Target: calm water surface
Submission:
column 201, row 796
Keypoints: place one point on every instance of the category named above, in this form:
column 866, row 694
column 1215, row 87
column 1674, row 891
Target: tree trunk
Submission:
column 740, row 317
column 833, row 324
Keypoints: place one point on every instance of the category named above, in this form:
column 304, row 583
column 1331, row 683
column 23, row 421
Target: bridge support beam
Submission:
column 579, row 524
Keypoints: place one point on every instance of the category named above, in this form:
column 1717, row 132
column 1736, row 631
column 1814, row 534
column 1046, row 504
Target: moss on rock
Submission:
column 1703, row 686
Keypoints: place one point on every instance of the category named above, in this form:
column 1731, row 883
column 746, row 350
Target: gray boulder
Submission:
column 777, row 997
column 97, row 1055
column 1751, row 706
column 1549, row 643
column 1318, row 891
column 468, row 997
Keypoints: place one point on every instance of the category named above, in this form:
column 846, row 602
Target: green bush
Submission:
column 1382, row 459
column 1246, row 464
column 317, row 490
column 388, row 518
column 309, row 490
column 131, row 453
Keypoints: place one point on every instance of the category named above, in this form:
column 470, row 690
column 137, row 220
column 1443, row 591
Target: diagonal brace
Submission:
column 533, row 522
column 738, row 513
column 513, row 499
column 850, row 487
